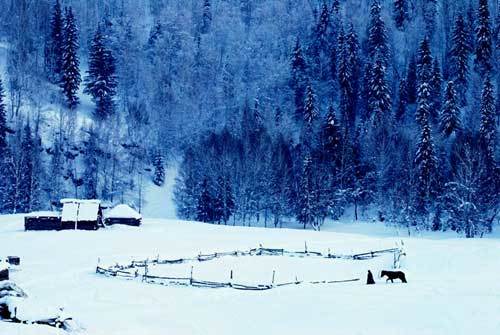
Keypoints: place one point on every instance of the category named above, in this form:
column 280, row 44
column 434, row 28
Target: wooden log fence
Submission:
column 130, row 271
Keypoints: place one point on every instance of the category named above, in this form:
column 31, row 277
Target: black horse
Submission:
column 391, row 275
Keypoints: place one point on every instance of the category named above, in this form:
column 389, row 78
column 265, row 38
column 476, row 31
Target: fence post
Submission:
column 231, row 275
column 191, row 276
column 305, row 247
column 274, row 272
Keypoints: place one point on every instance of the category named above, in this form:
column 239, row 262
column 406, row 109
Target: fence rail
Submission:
column 130, row 271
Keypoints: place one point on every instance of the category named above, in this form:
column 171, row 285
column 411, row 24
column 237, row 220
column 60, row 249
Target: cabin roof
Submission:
column 123, row 212
column 45, row 214
column 79, row 210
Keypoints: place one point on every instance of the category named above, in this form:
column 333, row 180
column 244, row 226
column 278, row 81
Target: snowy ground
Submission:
column 454, row 284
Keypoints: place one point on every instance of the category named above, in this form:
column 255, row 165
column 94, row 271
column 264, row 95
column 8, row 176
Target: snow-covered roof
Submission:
column 123, row 212
column 80, row 201
column 42, row 214
column 79, row 210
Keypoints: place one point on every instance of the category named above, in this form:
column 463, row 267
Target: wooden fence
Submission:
column 130, row 271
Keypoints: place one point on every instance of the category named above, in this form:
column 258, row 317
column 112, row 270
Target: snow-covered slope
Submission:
column 453, row 285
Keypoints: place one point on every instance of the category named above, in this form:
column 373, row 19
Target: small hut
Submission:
column 42, row 221
column 123, row 214
column 81, row 214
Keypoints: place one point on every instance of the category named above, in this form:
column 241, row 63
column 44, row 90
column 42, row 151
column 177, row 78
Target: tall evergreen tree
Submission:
column 4, row 152
column 159, row 169
column 487, row 130
column 436, row 83
column 100, row 81
column 71, row 78
column 429, row 15
column 450, row 115
column 205, row 207
column 460, row 51
column 29, row 183
column 91, row 164
column 298, row 79
column 426, row 169
column 402, row 100
column 484, row 51
column 54, row 48
column 307, row 194
column 223, row 201
column 377, row 34
column 206, row 20
column 411, row 80
column 400, row 13
column 379, row 96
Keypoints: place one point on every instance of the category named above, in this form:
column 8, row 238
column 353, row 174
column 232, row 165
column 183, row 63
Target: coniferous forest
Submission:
column 273, row 111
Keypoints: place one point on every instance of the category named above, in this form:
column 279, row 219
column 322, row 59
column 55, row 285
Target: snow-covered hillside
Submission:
column 453, row 285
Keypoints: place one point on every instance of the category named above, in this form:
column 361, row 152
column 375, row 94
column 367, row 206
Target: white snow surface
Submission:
column 453, row 283
column 123, row 211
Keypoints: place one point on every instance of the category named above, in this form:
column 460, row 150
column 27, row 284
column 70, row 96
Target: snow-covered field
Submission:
column 453, row 284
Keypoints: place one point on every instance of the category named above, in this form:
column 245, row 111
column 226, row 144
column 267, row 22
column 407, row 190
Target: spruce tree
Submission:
column 298, row 79
column 377, row 34
column 159, row 169
column 100, row 81
column 70, row 65
column 460, row 51
column 223, row 201
column 55, row 45
column 426, row 169
column 205, row 207
column 379, row 102
column 29, row 182
column 483, row 60
column 4, row 153
column 411, row 80
column 206, row 20
column 307, row 194
column 348, row 71
column 402, row 100
column 320, row 50
column 331, row 135
column 487, row 130
column 429, row 15
column 424, row 62
column 400, row 13
column 436, row 83
column 450, row 115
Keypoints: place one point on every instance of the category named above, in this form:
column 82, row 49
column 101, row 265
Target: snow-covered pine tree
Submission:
column 187, row 185
column 307, row 194
column 159, row 169
column 402, row 100
column 348, row 72
column 471, row 24
column 320, row 50
column 459, row 62
column 309, row 117
column 4, row 152
column 331, row 136
column 487, row 130
column 378, row 47
column 206, row 19
column 424, row 62
column 379, row 102
column 100, row 81
column 298, row 79
column 450, row 115
column 411, row 80
column 29, row 183
column 484, row 50
column 223, row 201
column 429, row 16
column 436, row 83
column 400, row 13
column 205, row 207
column 281, row 180
column 426, row 169
column 424, row 88
column 54, row 47
column 71, row 79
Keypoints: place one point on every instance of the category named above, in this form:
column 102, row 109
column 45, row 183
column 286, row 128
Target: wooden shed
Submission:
column 81, row 214
column 42, row 221
column 123, row 214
